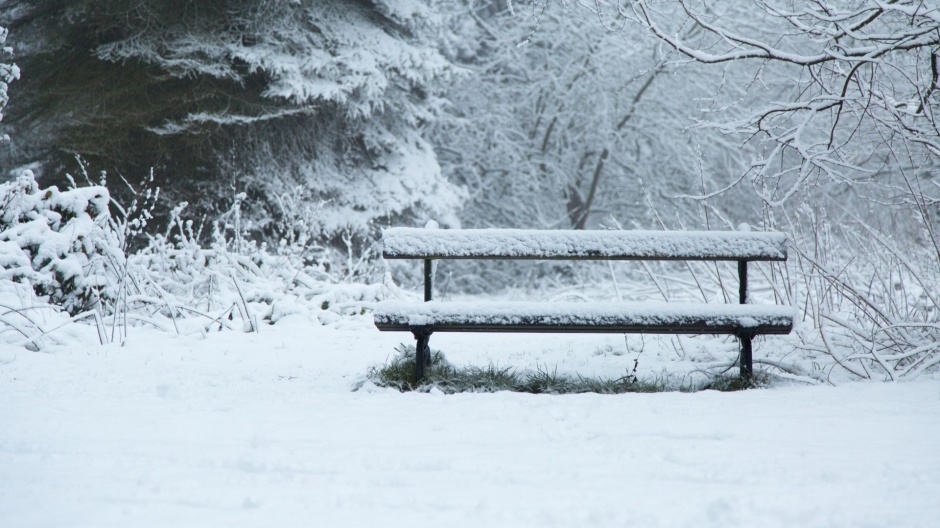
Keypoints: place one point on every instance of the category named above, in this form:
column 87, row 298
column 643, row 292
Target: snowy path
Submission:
column 263, row 430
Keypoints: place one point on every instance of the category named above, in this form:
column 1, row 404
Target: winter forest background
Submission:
column 236, row 160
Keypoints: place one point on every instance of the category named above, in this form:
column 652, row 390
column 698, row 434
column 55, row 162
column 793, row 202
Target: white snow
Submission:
column 264, row 429
column 403, row 313
column 403, row 242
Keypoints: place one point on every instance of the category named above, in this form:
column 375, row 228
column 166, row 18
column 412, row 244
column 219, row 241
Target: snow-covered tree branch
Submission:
column 863, row 80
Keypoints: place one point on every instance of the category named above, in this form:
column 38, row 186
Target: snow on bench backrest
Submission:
column 415, row 243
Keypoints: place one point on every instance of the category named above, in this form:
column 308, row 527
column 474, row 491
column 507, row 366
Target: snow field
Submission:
column 265, row 430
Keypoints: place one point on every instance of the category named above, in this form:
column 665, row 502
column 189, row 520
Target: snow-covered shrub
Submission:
column 33, row 322
column 872, row 297
column 209, row 287
column 63, row 262
column 59, row 242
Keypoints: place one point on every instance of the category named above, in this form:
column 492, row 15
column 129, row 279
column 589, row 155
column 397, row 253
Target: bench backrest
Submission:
column 531, row 244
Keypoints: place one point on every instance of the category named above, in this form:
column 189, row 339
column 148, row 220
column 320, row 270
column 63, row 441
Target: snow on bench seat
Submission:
column 416, row 243
column 613, row 317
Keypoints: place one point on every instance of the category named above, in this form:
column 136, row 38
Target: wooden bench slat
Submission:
column 640, row 317
column 525, row 244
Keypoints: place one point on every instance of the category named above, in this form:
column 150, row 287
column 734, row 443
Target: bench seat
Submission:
column 600, row 317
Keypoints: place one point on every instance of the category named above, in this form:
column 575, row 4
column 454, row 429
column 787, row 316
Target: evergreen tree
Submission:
column 321, row 100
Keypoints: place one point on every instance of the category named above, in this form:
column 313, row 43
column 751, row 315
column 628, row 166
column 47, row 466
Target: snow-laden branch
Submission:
column 865, row 75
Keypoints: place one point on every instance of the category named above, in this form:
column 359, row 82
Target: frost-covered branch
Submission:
column 864, row 73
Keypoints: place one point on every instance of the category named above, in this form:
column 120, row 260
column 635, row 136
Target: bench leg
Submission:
column 747, row 368
column 422, row 351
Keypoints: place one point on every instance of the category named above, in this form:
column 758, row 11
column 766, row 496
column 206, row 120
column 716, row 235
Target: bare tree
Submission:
column 864, row 75
column 845, row 159
column 560, row 125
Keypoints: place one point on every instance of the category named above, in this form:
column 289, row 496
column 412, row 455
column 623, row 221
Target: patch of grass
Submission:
column 545, row 382
column 475, row 379
column 731, row 383
column 622, row 385
column 398, row 373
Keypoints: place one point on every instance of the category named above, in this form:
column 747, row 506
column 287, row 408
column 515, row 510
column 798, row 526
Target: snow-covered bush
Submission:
column 31, row 321
column 874, row 305
column 235, row 277
column 63, row 262
column 59, row 242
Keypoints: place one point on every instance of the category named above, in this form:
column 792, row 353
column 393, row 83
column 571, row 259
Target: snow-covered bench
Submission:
column 742, row 320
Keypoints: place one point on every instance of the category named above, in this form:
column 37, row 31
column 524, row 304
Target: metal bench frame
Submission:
column 745, row 334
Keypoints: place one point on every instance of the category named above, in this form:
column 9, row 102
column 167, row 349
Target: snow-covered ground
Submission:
column 245, row 429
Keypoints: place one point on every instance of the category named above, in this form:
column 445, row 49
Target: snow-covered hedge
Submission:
column 59, row 243
column 62, row 262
